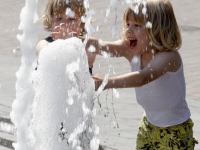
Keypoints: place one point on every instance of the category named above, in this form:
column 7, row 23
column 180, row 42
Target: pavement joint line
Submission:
column 109, row 148
column 189, row 28
column 6, row 143
column 6, row 120
column 6, row 132
column 5, row 105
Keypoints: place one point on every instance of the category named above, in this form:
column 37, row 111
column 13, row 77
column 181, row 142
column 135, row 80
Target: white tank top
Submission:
column 163, row 99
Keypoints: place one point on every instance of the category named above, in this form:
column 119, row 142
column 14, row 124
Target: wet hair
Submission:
column 59, row 6
column 164, row 33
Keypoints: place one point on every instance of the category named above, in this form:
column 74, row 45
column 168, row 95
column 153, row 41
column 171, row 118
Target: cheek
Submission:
column 147, row 40
column 55, row 23
column 76, row 26
column 125, row 32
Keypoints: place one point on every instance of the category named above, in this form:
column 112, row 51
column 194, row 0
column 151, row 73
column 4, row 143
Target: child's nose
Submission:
column 129, row 30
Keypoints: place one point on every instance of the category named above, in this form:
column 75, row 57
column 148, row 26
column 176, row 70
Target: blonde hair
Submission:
column 59, row 6
column 164, row 32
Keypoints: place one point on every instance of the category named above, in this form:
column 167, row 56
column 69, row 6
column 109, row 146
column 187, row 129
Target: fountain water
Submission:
column 58, row 116
column 64, row 97
column 21, row 107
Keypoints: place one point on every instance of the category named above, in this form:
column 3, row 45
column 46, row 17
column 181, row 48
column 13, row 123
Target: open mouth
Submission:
column 133, row 43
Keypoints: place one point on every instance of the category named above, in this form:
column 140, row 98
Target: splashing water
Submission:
column 21, row 107
column 70, row 13
column 7, row 127
column 60, row 115
column 62, row 107
column 64, row 95
column 134, row 5
column 113, row 4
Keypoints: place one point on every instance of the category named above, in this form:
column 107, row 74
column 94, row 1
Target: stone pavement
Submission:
column 118, row 117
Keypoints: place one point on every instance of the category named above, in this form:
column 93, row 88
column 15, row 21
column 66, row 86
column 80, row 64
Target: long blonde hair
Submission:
column 59, row 6
column 164, row 32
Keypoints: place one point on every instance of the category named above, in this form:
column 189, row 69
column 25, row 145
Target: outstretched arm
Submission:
column 162, row 63
column 116, row 49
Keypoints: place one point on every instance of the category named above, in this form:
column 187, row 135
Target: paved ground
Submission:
column 118, row 117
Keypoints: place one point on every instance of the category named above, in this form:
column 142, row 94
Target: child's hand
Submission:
column 98, row 81
column 62, row 32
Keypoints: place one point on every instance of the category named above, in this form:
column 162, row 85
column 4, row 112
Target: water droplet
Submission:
column 144, row 10
column 148, row 25
column 152, row 76
column 135, row 59
column 100, row 41
column 97, row 29
column 116, row 93
column 91, row 48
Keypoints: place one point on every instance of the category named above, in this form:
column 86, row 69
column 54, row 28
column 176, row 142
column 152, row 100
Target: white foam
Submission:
column 63, row 83
column 21, row 114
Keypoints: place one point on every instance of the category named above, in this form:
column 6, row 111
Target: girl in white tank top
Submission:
column 150, row 42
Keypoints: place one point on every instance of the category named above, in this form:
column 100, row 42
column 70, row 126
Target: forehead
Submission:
column 60, row 7
column 131, row 15
column 64, row 14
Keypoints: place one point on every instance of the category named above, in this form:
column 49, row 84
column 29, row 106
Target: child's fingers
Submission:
column 62, row 32
column 55, row 35
column 67, row 32
column 97, row 80
column 56, row 29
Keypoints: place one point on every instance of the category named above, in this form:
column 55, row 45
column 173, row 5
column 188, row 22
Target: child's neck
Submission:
column 146, row 58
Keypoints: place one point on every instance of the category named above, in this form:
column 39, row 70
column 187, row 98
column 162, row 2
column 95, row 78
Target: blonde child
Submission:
column 150, row 43
column 65, row 16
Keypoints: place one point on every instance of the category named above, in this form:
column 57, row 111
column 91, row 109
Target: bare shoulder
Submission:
column 163, row 62
column 40, row 45
column 170, row 59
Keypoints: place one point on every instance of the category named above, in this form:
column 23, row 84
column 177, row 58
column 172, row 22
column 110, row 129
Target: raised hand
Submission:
column 62, row 32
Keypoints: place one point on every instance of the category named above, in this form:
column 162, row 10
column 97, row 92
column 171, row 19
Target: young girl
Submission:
column 65, row 16
column 151, row 40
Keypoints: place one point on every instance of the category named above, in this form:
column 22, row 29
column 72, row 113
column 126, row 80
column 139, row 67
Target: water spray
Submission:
column 21, row 108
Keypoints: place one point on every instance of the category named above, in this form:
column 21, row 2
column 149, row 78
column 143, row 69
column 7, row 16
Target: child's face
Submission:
column 72, row 23
column 137, row 37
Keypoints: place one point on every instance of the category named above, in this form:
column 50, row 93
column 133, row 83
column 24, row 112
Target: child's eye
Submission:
column 58, row 18
column 127, row 24
column 137, row 25
column 72, row 18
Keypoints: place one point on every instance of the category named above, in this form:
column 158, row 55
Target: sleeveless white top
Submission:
column 163, row 99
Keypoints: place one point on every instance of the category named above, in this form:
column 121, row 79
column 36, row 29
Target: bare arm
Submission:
column 117, row 48
column 162, row 63
column 41, row 44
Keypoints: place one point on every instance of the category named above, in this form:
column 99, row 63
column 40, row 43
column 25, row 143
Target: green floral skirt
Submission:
column 178, row 137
